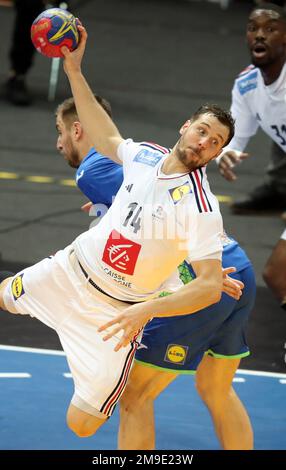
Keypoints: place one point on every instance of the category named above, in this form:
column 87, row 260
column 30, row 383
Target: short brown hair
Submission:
column 68, row 112
column 223, row 116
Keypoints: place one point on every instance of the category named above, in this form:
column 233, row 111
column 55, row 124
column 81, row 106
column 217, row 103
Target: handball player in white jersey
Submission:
column 163, row 213
column 259, row 100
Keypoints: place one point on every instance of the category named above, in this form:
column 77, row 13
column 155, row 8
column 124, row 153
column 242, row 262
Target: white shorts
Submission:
column 56, row 292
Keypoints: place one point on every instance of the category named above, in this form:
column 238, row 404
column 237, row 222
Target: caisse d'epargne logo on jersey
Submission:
column 120, row 253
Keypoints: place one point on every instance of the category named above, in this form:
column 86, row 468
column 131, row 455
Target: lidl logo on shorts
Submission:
column 17, row 287
column 176, row 354
column 180, row 191
column 248, row 83
column 147, row 158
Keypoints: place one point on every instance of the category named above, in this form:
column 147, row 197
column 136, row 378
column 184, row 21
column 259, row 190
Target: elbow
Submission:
column 275, row 281
column 267, row 275
column 272, row 279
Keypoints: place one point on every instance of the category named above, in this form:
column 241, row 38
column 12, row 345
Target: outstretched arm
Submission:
column 101, row 130
column 198, row 294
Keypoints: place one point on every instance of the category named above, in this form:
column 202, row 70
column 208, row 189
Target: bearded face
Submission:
column 65, row 144
column 201, row 141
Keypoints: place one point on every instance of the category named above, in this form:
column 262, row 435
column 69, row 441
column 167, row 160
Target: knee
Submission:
column 203, row 388
column 82, row 427
column 212, row 394
column 3, row 283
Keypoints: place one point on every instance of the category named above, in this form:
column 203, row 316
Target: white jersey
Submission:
column 155, row 222
column 256, row 105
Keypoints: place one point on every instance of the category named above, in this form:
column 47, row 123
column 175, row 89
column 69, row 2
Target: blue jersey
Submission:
column 99, row 178
column 233, row 253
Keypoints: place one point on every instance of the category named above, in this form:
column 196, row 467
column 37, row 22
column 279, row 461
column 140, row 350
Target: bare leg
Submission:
column 231, row 421
column 137, row 428
column 2, row 288
column 82, row 423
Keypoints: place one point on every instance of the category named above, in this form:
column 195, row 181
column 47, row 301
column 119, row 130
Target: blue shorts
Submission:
column 179, row 343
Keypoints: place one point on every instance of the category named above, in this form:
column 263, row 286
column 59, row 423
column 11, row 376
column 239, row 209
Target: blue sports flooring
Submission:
column 35, row 393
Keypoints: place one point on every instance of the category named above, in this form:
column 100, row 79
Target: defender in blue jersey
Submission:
column 97, row 177
column 107, row 174
column 179, row 344
column 212, row 340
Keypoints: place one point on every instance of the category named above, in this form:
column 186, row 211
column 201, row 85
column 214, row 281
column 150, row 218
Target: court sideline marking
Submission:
column 53, row 352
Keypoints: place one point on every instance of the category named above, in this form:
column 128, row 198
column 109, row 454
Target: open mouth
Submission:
column 259, row 50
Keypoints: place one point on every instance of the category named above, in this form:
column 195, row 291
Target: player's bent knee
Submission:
column 212, row 398
column 80, row 429
column 203, row 388
column 85, row 428
column 213, row 392
column 82, row 423
column 209, row 388
column 5, row 278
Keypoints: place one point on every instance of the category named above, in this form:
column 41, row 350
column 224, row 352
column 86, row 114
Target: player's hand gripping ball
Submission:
column 53, row 29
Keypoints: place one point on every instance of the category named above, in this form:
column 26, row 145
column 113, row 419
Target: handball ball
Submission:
column 53, row 29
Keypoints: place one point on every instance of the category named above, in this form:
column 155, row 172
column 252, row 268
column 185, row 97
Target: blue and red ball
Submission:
column 53, row 29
